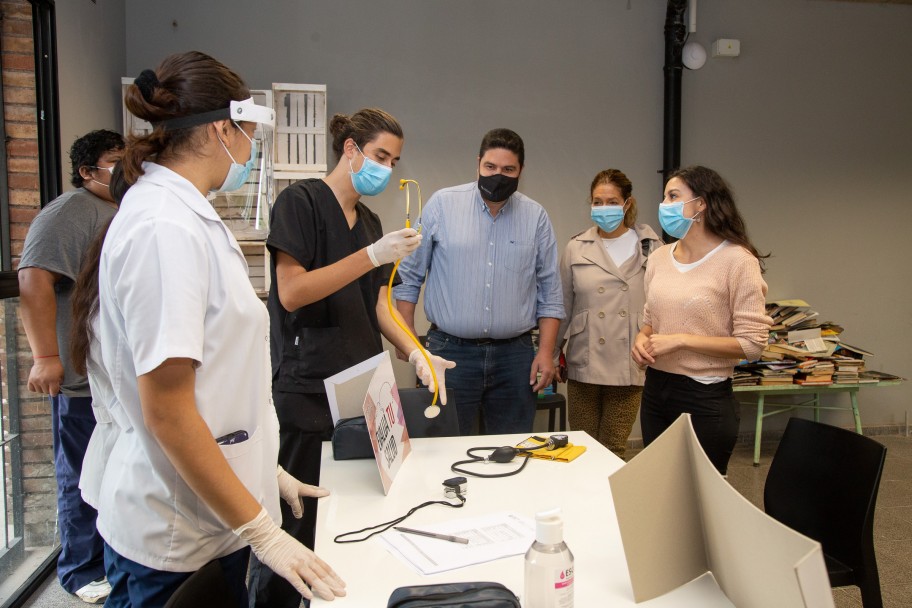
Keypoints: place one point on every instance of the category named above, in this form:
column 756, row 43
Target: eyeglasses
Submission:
column 108, row 169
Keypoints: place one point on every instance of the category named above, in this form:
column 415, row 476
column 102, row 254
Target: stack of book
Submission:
column 847, row 370
column 804, row 350
column 743, row 377
column 772, row 376
column 816, row 372
column 791, row 314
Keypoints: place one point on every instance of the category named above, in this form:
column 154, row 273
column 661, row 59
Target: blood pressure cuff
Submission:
column 351, row 439
column 454, row 595
column 564, row 454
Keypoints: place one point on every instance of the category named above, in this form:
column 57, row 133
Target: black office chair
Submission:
column 823, row 483
column 205, row 587
column 415, row 400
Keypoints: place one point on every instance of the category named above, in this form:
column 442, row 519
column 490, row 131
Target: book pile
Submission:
column 776, row 375
column 743, row 377
column 815, row 372
column 804, row 350
column 847, row 370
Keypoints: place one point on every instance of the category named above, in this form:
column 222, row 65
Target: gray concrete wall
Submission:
column 91, row 39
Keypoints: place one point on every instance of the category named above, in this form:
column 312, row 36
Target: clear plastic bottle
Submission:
column 549, row 565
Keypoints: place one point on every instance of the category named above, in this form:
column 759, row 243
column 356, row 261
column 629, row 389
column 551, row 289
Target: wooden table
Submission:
column 811, row 398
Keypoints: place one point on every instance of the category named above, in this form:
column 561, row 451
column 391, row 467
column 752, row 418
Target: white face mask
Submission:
column 97, row 168
column 237, row 173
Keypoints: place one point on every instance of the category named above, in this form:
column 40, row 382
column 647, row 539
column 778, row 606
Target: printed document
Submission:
column 491, row 537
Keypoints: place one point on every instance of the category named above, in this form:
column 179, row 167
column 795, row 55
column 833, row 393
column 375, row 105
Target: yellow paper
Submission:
column 565, row 454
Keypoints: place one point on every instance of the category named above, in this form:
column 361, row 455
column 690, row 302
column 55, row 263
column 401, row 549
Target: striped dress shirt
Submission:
column 487, row 277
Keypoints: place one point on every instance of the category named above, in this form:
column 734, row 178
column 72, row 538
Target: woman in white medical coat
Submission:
column 183, row 338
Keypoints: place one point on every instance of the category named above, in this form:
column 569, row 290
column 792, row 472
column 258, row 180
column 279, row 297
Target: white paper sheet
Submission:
column 491, row 537
column 813, row 341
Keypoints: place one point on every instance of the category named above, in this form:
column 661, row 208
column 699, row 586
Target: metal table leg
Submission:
column 853, row 395
column 759, row 431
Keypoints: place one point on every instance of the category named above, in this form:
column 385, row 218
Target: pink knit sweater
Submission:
column 723, row 296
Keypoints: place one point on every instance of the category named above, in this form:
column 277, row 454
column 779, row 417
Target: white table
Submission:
column 580, row 488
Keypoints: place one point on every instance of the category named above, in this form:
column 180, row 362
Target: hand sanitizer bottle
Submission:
column 549, row 565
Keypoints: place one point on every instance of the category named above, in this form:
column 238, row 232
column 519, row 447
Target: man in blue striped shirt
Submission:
column 489, row 256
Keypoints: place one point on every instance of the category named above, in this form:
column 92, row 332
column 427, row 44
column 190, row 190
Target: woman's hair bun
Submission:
column 147, row 82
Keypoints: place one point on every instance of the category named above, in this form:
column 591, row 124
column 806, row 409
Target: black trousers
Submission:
column 713, row 409
column 304, row 424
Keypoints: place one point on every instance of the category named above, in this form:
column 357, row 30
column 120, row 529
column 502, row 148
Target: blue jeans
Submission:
column 135, row 585
column 489, row 379
column 80, row 561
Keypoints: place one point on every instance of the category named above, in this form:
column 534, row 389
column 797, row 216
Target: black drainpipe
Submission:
column 675, row 35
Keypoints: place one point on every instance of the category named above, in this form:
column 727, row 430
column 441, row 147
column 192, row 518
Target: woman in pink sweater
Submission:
column 705, row 311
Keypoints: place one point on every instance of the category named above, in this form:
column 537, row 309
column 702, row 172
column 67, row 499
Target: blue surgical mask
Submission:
column 372, row 178
column 238, row 173
column 671, row 217
column 608, row 217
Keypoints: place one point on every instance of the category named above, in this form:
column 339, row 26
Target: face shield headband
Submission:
column 247, row 206
column 237, row 111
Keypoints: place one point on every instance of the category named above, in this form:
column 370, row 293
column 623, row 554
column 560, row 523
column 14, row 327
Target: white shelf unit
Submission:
column 300, row 146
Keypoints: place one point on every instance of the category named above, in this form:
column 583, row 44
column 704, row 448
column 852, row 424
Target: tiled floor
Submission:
column 892, row 527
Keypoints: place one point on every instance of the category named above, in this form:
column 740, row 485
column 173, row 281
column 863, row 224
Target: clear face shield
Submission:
column 246, row 210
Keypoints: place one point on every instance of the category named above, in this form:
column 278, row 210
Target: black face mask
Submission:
column 498, row 187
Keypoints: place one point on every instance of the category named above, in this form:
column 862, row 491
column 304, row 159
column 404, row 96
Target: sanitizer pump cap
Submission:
column 549, row 527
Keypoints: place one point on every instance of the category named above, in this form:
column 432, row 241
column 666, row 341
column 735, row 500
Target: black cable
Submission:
column 455, row 468
column 398, row 520
column 506, row 453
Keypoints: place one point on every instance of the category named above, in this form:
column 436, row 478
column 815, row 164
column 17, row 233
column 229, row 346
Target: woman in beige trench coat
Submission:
column 602, row 273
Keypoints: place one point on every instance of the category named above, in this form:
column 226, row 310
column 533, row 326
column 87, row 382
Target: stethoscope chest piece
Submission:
column 432, row 411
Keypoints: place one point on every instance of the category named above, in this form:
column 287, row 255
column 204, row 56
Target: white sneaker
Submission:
column 95, row 592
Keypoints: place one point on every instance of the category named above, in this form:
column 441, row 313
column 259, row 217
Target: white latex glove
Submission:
column 292, row 491
column 394, row 246
column 416, row 358
column 290, row 559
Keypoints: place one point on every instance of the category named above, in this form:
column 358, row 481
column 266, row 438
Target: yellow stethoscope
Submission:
column 433, row 409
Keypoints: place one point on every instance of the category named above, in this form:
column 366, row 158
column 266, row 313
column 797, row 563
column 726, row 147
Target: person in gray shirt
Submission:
column 51, row 258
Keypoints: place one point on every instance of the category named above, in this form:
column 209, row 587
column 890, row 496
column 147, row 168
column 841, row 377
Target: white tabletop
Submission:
column 580, row 488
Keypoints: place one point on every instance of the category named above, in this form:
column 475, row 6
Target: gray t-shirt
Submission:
column 57, row 241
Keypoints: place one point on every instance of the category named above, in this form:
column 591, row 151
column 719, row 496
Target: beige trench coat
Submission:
column 604, row 308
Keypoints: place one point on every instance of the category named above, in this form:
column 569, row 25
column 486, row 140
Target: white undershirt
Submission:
column 687, row 267
column 621, row 248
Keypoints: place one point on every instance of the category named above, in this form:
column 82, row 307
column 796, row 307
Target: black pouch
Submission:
column 351, row 440
column 454, row 595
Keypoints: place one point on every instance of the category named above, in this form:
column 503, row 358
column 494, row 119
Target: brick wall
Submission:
column 18, row 70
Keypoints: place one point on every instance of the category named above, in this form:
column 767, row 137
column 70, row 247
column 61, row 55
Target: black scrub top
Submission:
column 316, row 341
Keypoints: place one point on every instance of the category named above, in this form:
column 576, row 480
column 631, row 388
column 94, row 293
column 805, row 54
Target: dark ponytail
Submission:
column 85, row 302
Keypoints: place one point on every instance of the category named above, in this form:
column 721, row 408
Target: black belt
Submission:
column 479, row 341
